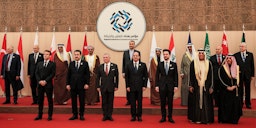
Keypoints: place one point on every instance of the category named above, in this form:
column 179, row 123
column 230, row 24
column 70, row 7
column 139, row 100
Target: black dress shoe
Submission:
column 15, row 102
column 128, row 103
column 6, row 102
column 248, row 106
column 34, row 103
column 49, row 118
column 162, row 120
column 139, row 119
column 82, row 118
column 104, row 118
column 38, row 118
column 73, row 117
column 171, row 120
column 110, row 118
column 133, row 119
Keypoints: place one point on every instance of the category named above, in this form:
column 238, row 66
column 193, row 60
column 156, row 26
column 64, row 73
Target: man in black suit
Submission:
column 136, row 77
column 216, row 61
column 166, row 84
column 127, row 58
column 11, row 67
column 246, row 63
column 107, row 84
column 78, row 79
column 45, row 71
column 33, row 60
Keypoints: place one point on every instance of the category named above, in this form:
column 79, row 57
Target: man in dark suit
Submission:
column 216, row 61
column 78, row 79
column 11, row 67
column 127, row 58
column 166, row 84
column 136, row 77
column 107, row 84
column 33, row 60
column 45, row 71
column 246, row 63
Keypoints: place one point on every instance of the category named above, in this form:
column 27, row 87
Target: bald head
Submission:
column 10, row 50
column 218, row 50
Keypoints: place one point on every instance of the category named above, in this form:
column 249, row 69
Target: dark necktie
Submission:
column 45, row 64
column 243, row 57
column 77, row 65
column 135, row 67
column 7, row 62
column 166, row 68
column 106, row 70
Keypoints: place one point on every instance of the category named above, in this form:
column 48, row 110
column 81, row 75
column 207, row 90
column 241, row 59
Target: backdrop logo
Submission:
column 119, row 23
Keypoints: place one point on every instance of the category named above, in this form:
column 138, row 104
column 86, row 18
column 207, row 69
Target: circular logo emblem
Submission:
column 119, row 23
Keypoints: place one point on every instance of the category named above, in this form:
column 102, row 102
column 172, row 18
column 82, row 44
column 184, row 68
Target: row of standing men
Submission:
column 137, row 92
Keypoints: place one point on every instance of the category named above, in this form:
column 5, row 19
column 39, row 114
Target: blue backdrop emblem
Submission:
column 121, row 21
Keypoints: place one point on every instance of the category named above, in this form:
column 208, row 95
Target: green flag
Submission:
column 207, row 47
column 243, row 38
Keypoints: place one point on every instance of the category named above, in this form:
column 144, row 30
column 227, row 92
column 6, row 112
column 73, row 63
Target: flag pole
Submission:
column 5, row 29
column 243, row 27
column 224, row 28
column 53, row 29
column 21, row 29
column 85, row 29
column 189, row 28
column 206, row 28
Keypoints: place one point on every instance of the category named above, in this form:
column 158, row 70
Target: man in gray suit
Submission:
column 107, row 84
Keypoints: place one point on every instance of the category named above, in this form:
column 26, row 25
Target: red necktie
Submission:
column 219, row 59
column 106, row 70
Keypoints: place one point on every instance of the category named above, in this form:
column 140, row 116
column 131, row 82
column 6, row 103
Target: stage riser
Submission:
column 122, row 111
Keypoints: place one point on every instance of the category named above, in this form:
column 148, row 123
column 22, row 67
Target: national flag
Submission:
column 153, row 48
column 69, row 49
column 224, row 44
column 53, row 46
column 85, row 50
column 20, row 52
column 243, row 38
column 2, row 53
column 193, row 47
column 207, row 46
column 172, row 49
column 36, row 42
column 152, row 53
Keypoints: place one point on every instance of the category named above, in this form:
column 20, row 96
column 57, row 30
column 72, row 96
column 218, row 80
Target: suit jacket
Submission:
column 107, row 82
column 170, row 79
column 126, row 59
column 247, row 67
column 15, row 66
column 136, row 80
column 78, row 78
column 45, row 73
column 216, row 65
column 32, row 64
